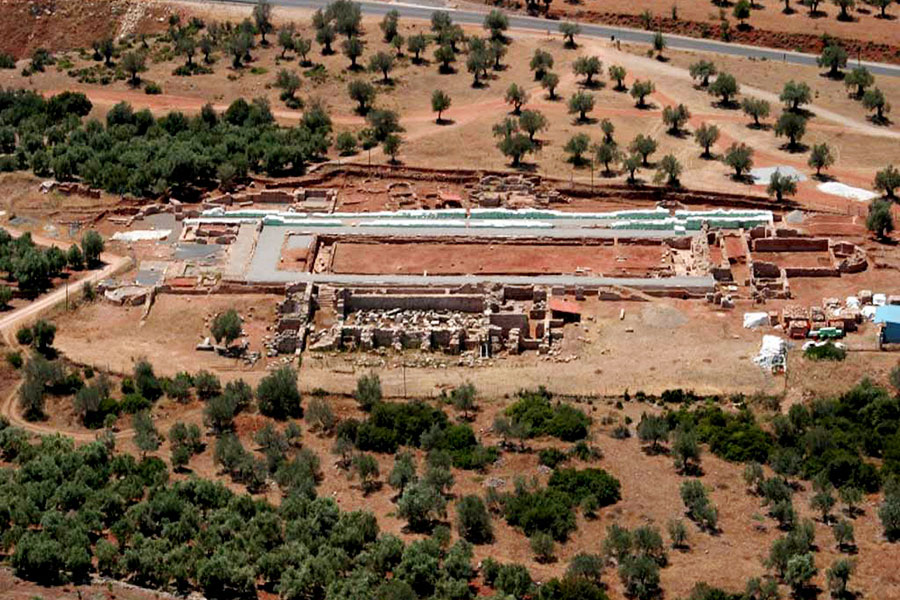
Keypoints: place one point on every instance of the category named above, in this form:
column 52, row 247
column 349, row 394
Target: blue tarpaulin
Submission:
column 890, row 316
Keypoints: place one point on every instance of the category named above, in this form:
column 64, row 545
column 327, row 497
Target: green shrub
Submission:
column 514, row 580
column 828, row 351
column 546, row 510
column 278, row 395
column 552, row 457
column 134, row 403
column 578, row 484
column 151, row 88
column 563, row 421
column 406, row 422
column 14, row 359
column 24, row 336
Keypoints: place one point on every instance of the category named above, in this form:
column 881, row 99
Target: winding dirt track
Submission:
column 11, row 321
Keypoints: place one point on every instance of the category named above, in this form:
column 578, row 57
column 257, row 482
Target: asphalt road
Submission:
column 517, row 21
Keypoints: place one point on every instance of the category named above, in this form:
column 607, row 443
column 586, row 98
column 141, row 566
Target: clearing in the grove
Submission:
column 312, row 300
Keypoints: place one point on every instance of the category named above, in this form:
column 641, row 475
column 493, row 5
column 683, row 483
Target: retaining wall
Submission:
column 507, row 321
column 794, row 244
column 457, row 302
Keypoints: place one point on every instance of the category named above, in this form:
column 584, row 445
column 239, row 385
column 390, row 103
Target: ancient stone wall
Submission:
column 457, row 302
column 793, row 244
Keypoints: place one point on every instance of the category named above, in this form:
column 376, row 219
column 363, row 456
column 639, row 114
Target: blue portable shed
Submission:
column 889, row 317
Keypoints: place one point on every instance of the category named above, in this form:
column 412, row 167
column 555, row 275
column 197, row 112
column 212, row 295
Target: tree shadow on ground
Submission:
column 742, row 178
column 795, row 148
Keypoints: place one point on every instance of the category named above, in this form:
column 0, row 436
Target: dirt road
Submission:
column 11, row 321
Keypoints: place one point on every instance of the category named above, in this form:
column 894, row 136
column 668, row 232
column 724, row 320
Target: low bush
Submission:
column 134, row 403
column 552, row 457
column 14, row 359
column 544, row 510
column 578, row 484
column 563, row 421
column 826, row 351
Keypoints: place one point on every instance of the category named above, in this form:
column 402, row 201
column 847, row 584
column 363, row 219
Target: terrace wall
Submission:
column 792, row 244
column 458, row 302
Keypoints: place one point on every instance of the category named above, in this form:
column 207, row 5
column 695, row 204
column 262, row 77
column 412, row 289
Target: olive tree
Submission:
column 363, row 93
column 278, row 395
column 781, row 185
column 880, row 221
column 576, row 148
column 834, row 57
column 352, row 49
column 873, row 99
column 588, row 67
column 227, row 326
column 512, row 142
column 757, row 108
column 365, row 467
column 820, row 157
column 643, row 145
column 617, row 73
column 675, row 117
column 382, row 62
column 569, row 31
column 706, row 135
column 463, row 399
column 860, row 78
column 795, row 94
column 288, row 82
column 844, row 5
column 702, row 70
column 740, row 158
column 606, row 154
column 517, row 97
column 416, row 44
column 640, row 90
column 549, row 82
column 420, row 505
column 541, row 63
column 725, row 87
column 403, row 472
column 887, row 180
column 581, row 103
column 92, row 247
column 440, row 101
column 473, row 521
column 792, row 126
column 532, row 122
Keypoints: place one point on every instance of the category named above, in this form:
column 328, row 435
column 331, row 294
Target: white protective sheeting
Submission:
column 755, row 319
column 771, row 352
column 846, row 191
column 142, row 235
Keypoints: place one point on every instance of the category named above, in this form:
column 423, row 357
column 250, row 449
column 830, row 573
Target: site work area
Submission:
column 338, row 300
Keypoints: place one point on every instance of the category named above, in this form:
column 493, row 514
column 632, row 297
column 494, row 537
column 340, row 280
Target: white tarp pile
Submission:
column 845, row 191
column 141, row 235
column 755, row 319
column 772, row 353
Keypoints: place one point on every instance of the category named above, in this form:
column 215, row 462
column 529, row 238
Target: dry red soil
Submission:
column 494, row 258
column 866, row 34
column 66, row 24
